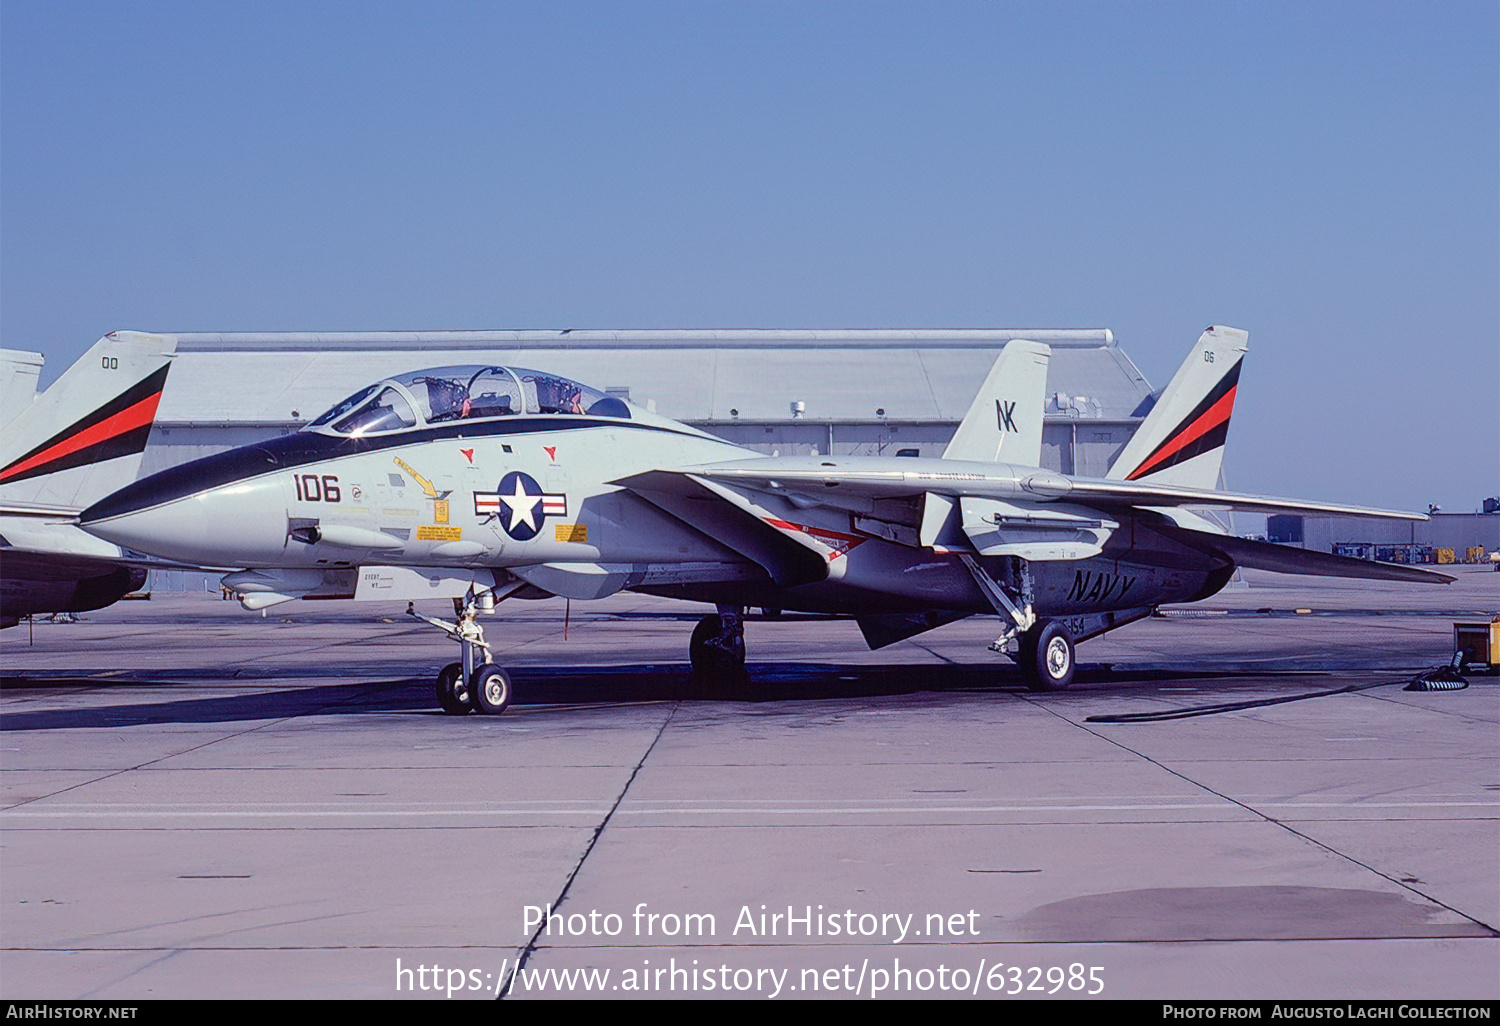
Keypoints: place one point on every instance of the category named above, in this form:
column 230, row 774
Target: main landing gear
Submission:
column 468, row 685
column 1047, row 656
column 1045, row 648
column 717, row 651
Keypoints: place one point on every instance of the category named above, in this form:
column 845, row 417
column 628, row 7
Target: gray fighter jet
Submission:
column 504, row 482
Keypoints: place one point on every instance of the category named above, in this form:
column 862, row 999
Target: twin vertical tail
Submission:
column 1004, row 423
column 83, row 437
column 1181, row 441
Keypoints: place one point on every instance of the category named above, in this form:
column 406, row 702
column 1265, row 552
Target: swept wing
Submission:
column 1037, row 508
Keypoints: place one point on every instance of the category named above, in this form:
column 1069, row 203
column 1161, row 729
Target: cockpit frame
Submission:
column 440, row 395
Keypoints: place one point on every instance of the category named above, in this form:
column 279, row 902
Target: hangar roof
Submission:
column 279, row 377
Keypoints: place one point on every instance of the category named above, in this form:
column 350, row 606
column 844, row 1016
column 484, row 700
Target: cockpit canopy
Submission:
column 442, row 394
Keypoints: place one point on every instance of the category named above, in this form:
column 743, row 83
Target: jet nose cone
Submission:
column 172, row 530
column 242, row 524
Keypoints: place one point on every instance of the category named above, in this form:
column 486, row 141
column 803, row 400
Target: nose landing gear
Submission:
column 453, row 690
column 491, row 690
column 469, row 685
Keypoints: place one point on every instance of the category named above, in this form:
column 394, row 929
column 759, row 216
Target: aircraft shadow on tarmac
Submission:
column 602, row 686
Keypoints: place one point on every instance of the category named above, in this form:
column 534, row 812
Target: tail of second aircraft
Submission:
column 18, row 375
column 83, row 437
column 1181, row 441
column 1004, row 423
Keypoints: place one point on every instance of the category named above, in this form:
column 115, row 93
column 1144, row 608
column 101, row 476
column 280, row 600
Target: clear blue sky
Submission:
column 1325, row 175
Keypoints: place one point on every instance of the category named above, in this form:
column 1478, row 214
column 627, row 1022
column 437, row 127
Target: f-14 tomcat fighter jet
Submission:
column 521, row 484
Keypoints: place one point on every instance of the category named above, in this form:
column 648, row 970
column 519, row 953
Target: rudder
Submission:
column 83, row 437
column 1181, row 441
column 1004, row 423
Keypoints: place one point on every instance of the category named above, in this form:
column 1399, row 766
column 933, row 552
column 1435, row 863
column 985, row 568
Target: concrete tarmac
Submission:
column 200, row 802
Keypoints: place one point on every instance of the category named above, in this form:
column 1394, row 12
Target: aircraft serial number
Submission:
column 312, row 488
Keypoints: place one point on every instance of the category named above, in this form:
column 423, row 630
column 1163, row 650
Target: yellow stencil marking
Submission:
column 571, row 532
column 427, row 488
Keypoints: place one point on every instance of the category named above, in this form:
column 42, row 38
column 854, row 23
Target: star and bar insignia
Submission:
column 521, row 505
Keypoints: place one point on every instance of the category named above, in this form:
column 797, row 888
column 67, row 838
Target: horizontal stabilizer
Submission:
column 1284, row 559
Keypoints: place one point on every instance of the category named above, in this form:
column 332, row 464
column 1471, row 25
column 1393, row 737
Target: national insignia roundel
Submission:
column 521, row 505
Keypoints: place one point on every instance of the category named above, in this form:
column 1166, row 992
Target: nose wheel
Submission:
column 490, row 689
column 453, row 691
column 471, row 684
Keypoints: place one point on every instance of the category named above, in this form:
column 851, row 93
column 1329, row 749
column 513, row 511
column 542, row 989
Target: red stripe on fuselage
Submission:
column 1212, row 417
column 840, row 543
column 129, row 419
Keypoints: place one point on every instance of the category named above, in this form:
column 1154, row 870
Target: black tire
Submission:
column 1048, row 657
column 452, row 693
column 716, row 669
column 491, row 689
